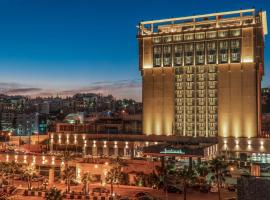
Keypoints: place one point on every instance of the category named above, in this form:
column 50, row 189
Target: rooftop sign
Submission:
column 172, row 151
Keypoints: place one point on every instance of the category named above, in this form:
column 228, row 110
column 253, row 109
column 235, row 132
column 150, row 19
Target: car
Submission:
column 173, row 189
column 141, row 194
column 101, row 190
column 214, row 189
column 232, row 188
column 204, row 188
column 146, row 197
column 124, row 198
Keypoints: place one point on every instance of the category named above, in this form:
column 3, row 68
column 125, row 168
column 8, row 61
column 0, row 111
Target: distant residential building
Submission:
column 265, row 100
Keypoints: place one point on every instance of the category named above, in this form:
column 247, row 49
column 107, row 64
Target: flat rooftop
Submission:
column 202, row 22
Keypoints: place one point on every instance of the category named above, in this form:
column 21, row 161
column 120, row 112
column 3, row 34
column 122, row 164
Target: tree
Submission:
column 29, row 172
column 54, row 194
column 114, row 176
column 86, row 179
column 186, row 175
column 69, row 175
column 13, row 168
column 218, row 166
column 66, row 157
column 202, row 170
column 165, row 173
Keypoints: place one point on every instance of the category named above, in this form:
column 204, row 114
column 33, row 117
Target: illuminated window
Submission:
column 177, row 55
column 156, row 40
column 212, row 34
column 189, row 54
column 223, row 51
column 200, row 53
column 189, row 69
column 177, row 37
column 211, row 52
column 235, row 32
column 157, row 56
column 189, row 77
column 199, row 36
column 235, row 51
column 188, row 36
column 223, row 34
column 167, row 38
column 167, row 55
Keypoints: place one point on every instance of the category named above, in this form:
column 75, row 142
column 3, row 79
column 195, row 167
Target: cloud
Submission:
column 23, row 90
column 119, row 89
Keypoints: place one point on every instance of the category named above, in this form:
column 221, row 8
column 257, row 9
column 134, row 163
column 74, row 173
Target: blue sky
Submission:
column 68, row 46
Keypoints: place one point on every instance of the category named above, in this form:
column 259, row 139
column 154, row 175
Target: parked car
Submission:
column 141, row 194
column 214, row 189
column 232, row 188
column 101, row 190
column 205, row 188
column 173, row 189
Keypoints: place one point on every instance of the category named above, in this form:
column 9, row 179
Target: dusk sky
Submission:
column 68, row 46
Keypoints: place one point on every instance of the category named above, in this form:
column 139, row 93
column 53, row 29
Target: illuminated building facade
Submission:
column 202, row 74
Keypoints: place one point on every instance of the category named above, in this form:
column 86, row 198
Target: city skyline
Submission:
column 65, row 47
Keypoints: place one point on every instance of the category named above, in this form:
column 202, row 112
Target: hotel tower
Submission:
column 201, row 74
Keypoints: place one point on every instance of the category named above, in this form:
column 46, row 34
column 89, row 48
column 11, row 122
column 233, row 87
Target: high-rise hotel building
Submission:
column 201, row 75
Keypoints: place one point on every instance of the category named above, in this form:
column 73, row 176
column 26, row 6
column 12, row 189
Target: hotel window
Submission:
column 201, row 85
column 201, row 93
column 189, row 54
column 200, row 53
column 189, row 77
column 157, row 56
column 235, row 51
column 189, row 93
column 212, row 34
column 167, row 56
column 212, row 69
column 188, row 36
column 156, row 40
column 223, row 34
column 211, row 52
column 189, row 86
column 178, row 55
column 212, row 77
column 235, row 32
column 177, row 37
column 167, row 38
column 199, row 36
column 200, row 77
column 223, row 52
column 189, row 69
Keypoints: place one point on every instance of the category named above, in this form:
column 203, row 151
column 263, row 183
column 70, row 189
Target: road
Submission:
column 130, row 191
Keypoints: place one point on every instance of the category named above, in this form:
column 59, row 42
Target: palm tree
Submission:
column 115, row 174
column 29, row 172
column 54, row 194
column 165, row 173
column 13, row 168
column 69, row 175
column 202, row 170
column 218, row 166
column 86, row 179
column 186, row 175
column 66, row 157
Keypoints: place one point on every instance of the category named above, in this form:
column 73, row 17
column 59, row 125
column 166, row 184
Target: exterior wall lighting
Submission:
column 53, row 160
column 25, row 158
